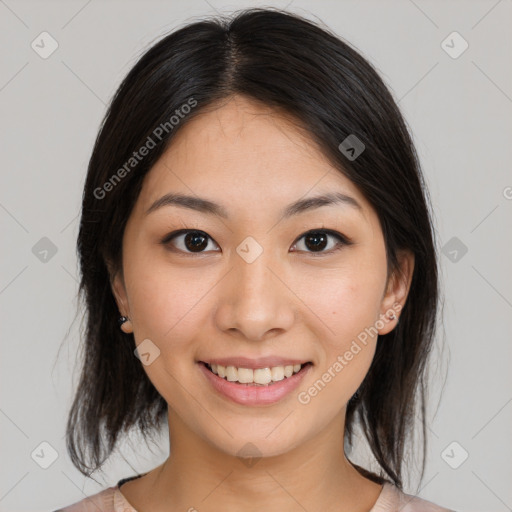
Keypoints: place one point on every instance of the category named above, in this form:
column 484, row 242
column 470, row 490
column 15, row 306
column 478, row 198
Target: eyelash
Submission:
column 342, row 240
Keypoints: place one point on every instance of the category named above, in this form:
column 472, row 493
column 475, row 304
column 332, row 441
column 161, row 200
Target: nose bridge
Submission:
column 254, row 279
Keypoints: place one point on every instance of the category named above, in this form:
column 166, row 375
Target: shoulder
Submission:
column 392, row 498
column 108, row 500
column 104, row 501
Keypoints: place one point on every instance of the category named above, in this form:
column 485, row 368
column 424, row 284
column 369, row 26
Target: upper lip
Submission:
column 254, row 363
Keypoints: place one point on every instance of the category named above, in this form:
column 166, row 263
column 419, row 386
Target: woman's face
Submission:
column 251, row 285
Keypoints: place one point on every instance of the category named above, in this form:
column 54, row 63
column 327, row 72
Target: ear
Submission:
column 397, row 289
column 118, row 289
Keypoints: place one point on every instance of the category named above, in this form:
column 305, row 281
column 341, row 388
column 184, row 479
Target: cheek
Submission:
column 346, row 301
column 166, row 302
column 346, row 305
column 347, row 309
column 166, row 308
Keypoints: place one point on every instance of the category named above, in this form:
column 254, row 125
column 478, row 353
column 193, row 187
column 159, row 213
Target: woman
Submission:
column 255, row 216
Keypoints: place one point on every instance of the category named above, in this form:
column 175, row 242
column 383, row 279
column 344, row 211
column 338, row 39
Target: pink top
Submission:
column 391, row 499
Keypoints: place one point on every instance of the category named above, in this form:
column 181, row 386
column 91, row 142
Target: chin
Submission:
column 256, row 444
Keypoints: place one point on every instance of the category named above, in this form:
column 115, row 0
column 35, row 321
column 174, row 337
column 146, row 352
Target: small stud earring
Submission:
column 125, row 327
column 121, row 320
column 392, row 316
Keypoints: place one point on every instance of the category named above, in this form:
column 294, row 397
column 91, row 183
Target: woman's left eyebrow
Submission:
column 207, row 206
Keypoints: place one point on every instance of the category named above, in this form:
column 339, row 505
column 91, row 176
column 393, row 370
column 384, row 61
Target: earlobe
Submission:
column 397, row 291
column 125, row 324
column 119, row 292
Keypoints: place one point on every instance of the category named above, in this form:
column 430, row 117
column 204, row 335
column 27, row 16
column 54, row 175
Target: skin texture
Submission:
column 290, row 301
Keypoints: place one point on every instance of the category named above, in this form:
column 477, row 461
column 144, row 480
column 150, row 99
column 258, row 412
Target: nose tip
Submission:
column 254, row 302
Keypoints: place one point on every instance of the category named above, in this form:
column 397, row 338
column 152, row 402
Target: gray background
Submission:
column 460, row 112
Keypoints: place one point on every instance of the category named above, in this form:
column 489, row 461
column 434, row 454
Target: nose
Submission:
column 254, row 301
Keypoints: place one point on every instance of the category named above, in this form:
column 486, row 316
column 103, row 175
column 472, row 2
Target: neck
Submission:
column 314, row 475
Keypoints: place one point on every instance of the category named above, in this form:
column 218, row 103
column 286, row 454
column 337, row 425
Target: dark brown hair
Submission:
column 294, row 65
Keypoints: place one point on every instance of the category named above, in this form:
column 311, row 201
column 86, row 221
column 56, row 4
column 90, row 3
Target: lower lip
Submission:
column 245, row 394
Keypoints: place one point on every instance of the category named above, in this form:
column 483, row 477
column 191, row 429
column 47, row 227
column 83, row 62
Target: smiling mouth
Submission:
column 259, row 377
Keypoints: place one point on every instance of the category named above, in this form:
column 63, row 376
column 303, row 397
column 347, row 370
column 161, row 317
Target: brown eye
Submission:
column 317, row 241
column 185, row 240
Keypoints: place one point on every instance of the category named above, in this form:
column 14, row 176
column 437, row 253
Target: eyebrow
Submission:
column 209, row 207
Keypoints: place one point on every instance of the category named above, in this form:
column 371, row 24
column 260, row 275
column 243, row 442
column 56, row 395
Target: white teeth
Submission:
column 262, row 375
column 277, row 373
column 245, row 375
column 259, row 376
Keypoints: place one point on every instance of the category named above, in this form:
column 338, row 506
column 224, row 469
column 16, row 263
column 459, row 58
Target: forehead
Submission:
column 243, row 150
